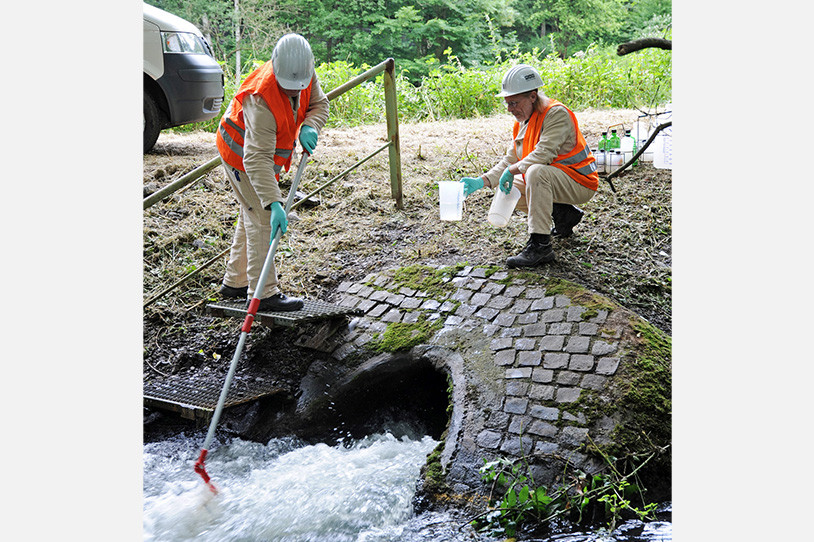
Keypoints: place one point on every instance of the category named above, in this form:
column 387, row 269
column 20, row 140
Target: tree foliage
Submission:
column 417, row 34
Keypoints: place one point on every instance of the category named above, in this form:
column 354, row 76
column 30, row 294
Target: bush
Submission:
column 596, row 77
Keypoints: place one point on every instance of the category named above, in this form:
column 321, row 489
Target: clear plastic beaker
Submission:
column 502, row 207
column 451, row 199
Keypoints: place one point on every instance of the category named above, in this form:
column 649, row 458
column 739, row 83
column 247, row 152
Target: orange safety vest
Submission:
column 232, row 129
column 578, row 163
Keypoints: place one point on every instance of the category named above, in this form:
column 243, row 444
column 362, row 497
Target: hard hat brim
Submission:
column 505, row 94
column 293, row 84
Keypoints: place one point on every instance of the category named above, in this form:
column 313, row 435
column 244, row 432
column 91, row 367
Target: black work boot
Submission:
column 280, row 302
column 565, row 218
column 538, row 250
column 231, row 291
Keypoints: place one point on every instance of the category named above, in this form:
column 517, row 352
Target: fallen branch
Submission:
column 186, row 179
column 643, row 43
column 186, row 277
column 635, row 157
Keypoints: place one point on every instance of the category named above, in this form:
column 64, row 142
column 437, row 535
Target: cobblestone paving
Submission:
column 549, row 349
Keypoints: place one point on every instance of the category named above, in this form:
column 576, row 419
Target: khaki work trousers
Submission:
column 544, row 186
column 251, row 242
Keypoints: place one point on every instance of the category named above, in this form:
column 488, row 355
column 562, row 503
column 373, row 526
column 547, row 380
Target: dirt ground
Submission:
column 622, row 248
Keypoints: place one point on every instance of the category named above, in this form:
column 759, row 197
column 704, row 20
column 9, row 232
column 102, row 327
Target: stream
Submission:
column 285, row 491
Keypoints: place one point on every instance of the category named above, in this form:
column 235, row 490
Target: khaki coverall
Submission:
column 257, row 189
column 544, row 184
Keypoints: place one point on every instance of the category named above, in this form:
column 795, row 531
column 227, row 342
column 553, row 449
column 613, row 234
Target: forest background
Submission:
column 450, row 55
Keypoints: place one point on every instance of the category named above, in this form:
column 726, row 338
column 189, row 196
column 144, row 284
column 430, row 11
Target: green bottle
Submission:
column 603, row 142
column 614, row 142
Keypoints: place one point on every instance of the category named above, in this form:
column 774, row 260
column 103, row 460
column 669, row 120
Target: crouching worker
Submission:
column 256, row 139
column 548, row 161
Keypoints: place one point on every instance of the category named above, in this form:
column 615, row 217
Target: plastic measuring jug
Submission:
column 502, row 207
column 451, row 199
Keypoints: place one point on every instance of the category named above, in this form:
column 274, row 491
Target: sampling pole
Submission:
column 244, row 331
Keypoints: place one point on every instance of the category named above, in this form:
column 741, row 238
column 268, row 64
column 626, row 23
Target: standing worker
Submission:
column 256, row 139
column 549, row 162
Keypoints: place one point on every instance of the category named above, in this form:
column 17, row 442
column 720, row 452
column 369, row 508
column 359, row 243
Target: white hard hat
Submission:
column 293, row 62
column 519, row 79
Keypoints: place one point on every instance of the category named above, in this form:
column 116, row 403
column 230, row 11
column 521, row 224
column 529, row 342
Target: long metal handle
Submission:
column 261, row 282
column 252, row 311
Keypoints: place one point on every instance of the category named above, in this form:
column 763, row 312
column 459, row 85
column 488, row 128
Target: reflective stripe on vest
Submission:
column 233, row 145
column 581, row 156
column 579, row 163
column 232, row 129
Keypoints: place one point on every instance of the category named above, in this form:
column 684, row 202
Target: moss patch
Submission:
column 433, row 472
column 435, row 282
column 403, row 336
column 643, row 394
column 578, row 295
column 649, row 383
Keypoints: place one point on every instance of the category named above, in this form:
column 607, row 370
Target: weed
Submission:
column 522, row 502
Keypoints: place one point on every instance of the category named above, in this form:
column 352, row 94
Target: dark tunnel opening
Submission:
column 403, row 395
column 413, row 401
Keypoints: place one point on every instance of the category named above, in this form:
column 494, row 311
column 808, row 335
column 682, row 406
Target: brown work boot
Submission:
column 538, row 250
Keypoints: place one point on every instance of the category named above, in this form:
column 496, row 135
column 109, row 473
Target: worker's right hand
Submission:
column 279, row 221
column 471, row 184
column 308, row 138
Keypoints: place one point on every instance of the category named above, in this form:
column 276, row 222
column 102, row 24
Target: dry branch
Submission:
column 643, row 43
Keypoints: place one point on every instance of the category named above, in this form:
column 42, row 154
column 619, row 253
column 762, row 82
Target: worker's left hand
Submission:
column 308, row 138
column 506, row 181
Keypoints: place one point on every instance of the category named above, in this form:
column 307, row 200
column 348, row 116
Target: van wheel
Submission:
column 152, row 122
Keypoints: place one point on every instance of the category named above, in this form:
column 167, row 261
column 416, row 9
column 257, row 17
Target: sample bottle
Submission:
column 613, row 141
column 603, row 141
column 628, row 147
column 668, row 149
column 615, row 160
column 658, row 151
column 599, row 155
column 663, row 158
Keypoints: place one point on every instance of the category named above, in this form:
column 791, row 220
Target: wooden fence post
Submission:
column 392, row 114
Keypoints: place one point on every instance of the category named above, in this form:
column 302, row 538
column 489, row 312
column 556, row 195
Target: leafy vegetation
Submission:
column 416, row 34
column 450, row 54
column 518, row 502
column 597, row 78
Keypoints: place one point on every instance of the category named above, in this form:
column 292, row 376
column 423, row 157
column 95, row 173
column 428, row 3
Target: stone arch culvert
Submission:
column 494, row 363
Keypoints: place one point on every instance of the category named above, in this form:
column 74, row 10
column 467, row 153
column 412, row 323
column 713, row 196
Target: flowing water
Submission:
column 285, row 491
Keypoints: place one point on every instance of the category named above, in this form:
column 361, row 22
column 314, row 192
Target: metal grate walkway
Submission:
column 311, row 311
column 196, row 398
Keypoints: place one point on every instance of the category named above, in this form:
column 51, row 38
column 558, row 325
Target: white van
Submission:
column 183, row 82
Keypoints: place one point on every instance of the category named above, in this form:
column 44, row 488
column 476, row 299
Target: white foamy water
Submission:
column 281, row 491
column 287, row 492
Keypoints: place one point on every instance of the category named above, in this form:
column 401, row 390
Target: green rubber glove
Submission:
column 471, row 184
column 506, row 181
column 308, row 138
column 278, row 220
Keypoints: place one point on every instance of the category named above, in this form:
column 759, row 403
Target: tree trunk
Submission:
column 237, row 43
column 206, row 30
